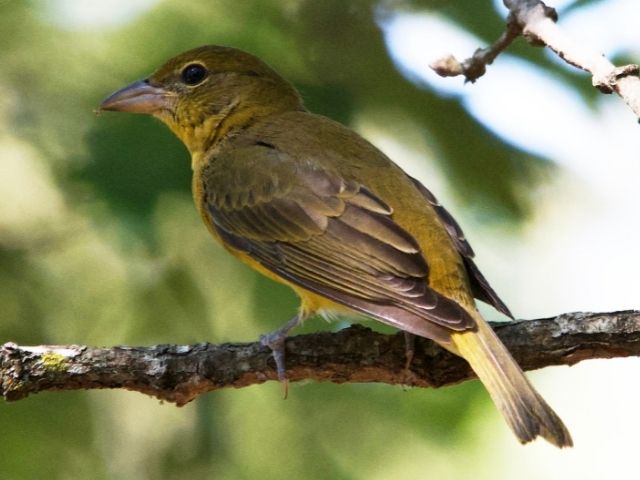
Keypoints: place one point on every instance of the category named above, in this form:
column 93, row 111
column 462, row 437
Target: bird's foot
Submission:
column 276, row 342
column 409, row 350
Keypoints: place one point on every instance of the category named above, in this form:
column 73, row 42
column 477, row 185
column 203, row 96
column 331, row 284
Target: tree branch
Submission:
column 179, row 373
column 536, row 22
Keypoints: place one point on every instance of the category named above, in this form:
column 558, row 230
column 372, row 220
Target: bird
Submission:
column 311, row 204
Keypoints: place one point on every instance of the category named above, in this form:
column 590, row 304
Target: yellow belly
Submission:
column 311, row 303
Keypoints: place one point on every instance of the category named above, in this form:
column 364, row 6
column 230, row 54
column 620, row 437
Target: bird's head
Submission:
column 207, row 93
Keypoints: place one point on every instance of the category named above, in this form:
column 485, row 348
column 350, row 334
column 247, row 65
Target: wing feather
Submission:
column 480, row 286
column 330, row 235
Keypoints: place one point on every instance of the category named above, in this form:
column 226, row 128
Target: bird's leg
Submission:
column 275, row 341
column 409, row 349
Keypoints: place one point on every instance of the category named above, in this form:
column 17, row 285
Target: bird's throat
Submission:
column 215, row 128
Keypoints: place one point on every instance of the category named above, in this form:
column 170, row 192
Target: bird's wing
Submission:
column 326, row 234
column 480, row 287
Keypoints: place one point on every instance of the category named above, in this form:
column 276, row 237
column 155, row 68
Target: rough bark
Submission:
column 179, row 373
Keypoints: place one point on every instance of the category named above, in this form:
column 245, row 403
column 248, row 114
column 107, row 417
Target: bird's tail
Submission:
column 524, row 409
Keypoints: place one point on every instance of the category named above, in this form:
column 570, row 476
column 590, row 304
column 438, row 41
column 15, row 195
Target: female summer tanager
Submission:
column 310, row 203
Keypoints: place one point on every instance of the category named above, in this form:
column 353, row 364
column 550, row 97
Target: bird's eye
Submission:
column 193, row 74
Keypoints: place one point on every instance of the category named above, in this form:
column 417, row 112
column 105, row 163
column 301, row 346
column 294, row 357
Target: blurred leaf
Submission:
column 20, row 296
column 577, row 4
column 47, row 436
column 134, row 159
column 331, row 100
column 480, row 18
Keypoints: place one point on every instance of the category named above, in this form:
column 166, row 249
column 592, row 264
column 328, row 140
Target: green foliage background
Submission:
column 101, row 245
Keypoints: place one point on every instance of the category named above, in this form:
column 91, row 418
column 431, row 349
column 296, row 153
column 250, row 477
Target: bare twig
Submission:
column 475, row 66
column 537, row 23
column 179, row 373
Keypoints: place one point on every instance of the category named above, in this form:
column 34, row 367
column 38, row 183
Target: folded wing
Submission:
column 329, row 235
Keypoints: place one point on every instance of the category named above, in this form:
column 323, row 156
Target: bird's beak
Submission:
column 139, row 97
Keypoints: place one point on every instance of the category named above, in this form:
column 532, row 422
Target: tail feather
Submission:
column 524, row 409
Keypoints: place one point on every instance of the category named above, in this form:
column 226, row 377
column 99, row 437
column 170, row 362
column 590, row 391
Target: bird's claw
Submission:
column 409, row 350
column 276, row 342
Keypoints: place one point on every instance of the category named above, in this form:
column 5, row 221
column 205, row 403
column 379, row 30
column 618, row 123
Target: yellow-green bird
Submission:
column 310, row 203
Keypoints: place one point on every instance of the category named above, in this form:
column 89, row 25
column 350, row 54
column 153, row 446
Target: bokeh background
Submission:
column 100, row 243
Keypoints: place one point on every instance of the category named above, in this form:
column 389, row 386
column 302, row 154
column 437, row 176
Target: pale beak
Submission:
column 139, row 97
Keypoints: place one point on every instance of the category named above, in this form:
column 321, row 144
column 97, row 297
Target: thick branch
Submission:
column 179, row 373
column 537, row 23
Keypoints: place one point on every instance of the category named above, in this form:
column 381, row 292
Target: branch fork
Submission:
column 537, row 23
